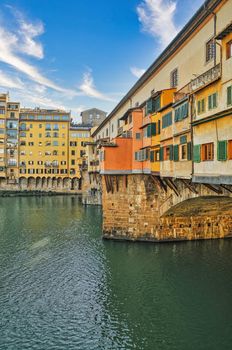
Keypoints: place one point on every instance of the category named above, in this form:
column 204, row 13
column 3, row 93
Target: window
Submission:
column 30, row 143
column 210, row 50
column 55, row 143
column 107, row 132
column 167, row 120
column 73, row 153
column 201, row 106
column 72, row 162
column 55, row 134
column 152, row 156
column 40, row 162
column 112, row 127
column 30, row 162
column 12, row 114
column 152, row 105
column 73, row 143
column 47, row 134
column 174, row 78
column 229, row 49
column 40, row 135
column 168, row 150
column 40, row 143
column 138, row 135
column 63, row 162
column 56, row 127
column 55, row 153
column 31, row 135
column 229, row 95
column 207, row 151
column 157, row 156
column 40, row 126
column 181, row 112
column 31, row 126
column 183, row 152
column 48, row 126
column 130, row 119
column 212, row 101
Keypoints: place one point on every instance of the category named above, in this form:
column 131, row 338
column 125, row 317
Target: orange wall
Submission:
column 118, row 158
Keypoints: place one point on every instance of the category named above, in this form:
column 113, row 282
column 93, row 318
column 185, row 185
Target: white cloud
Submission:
column 8, row 81
column 88, row 88
column 137, row 72
column 157, row 18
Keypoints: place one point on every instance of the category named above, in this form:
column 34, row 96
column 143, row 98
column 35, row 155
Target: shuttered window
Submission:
column 181, row 112
column 153, row 129
column 176, row 153
column 148, row 109
column 167, row 120
column 207, row 151
column 189, row 151
column 229, row 95
column 197, row 153
column 212, row 101
column 222, row 150
column 152, row 105
column 183, row 139
column 159, row 128
column 201, row 106
column 152, row 156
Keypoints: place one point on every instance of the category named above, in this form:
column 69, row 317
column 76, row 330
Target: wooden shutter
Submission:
column 171, row 152
column 176, row 153
column 148, row 106
column 149, row 130
column 214, row 100
column 198, row 106
column 189, row 151
column 210, row 102
column 152, row 156
column 222, row 150
column 197, row 153
column 153, row 129
column 229, row 95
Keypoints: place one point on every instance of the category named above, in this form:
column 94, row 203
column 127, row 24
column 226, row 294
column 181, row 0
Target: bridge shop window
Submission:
column 207, row 151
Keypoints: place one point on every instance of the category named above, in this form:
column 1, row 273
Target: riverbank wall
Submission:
column 145, row 208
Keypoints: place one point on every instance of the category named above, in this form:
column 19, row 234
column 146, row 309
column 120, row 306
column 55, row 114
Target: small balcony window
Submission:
column 229, row 49
column 210, row 50
column 174, row 78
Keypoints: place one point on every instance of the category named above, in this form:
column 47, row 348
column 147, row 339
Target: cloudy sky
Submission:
column 78, row 54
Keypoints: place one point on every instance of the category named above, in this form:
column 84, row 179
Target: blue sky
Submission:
column 78, row 54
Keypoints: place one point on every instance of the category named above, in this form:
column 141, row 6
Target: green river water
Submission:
column 63, row 287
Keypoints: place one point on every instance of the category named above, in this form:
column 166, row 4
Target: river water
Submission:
column 62, row 287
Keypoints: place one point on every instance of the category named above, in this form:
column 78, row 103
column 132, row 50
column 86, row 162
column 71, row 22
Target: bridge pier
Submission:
column 147, row 208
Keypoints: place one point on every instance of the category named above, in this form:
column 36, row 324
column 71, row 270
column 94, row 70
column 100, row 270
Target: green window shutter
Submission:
column 203, row 105
column 229, row 95
column 149, row 130
column 153, row 129
column 222, row 150
column 159, row 123
column 161, row 154
column 156, row 104
column 148, row 107
column 197, row 153
column 189, row 151
column 210, row 102
column 198, row 106
column 152, row 156
column 215, row 100
column 176, row 153
column 136, row 155
column 171, row 152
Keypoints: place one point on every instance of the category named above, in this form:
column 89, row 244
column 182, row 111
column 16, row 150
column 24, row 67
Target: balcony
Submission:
column 120, row 130
column 205, row 79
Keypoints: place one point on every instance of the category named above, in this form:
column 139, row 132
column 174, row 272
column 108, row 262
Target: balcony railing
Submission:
column 205, row 78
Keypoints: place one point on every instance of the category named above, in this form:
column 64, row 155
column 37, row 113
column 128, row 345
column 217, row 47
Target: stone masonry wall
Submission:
column 133, row 210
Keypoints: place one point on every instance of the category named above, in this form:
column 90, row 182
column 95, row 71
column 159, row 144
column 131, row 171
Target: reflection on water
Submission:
column 62, row 287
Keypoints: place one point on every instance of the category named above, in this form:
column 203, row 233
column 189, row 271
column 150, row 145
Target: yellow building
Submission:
column 165, row 99
column 78, row 135
column 212, row 120
column 43, row 137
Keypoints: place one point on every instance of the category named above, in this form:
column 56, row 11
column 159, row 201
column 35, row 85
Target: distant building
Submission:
column 93, row 116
